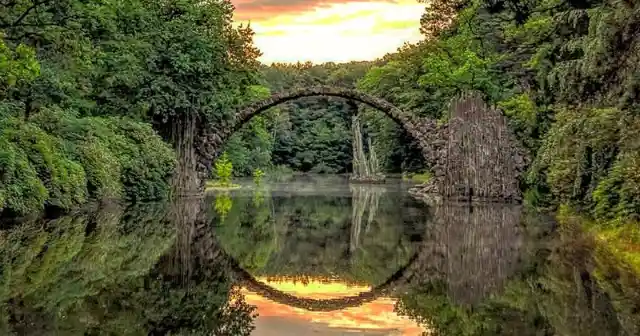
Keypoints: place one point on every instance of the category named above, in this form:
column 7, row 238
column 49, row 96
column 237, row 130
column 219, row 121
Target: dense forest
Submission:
column 95, row 97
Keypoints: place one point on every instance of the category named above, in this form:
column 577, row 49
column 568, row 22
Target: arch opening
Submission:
column 244, row 115
column 474, row 150
column 426, row 132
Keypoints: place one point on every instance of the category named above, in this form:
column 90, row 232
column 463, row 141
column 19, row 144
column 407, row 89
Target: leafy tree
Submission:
column 561, row 71
column 17, row 67
column 103, row 68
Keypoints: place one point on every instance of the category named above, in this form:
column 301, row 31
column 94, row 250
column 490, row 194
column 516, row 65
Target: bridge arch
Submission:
column 429, row 135
column 407, row 274
column 473, row 156
column 244, row 114
column 423, row 265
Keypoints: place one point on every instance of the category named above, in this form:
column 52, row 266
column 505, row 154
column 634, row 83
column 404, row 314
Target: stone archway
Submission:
column 473, row 156
column 404, row 119
column 399, row 279
column 427, row 132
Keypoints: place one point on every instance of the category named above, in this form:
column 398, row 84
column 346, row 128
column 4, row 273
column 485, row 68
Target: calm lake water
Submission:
column 311, row 256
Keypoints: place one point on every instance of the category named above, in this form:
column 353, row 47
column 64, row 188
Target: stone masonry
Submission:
column 474, row 156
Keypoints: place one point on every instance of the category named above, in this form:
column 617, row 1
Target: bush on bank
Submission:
column 57, row 159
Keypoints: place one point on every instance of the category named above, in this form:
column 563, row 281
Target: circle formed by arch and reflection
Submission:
column 488, row 236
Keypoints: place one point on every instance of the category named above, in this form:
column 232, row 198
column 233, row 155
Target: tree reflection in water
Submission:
column 114, row 271
column 170, row 268
column 504, row 279
column 356, row 234
column 365, row 198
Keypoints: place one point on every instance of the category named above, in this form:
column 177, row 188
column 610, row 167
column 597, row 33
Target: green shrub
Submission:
column 257, row 176
column 575, row 155
column 21, row 191
column 103, row 170
column 59, row 159
column 224, row 170
column 122, row 157
column 19, row 65
column 618, row 194
column 147, row 162
column 590, row 159
column 63, row 178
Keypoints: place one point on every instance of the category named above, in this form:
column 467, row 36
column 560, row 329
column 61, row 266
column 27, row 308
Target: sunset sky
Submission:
column 329, row 30
column 372, row 318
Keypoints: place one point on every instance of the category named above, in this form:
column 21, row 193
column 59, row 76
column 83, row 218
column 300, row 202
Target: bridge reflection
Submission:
column 473, row 250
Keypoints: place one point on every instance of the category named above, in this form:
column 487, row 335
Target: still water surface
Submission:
column 311, row 256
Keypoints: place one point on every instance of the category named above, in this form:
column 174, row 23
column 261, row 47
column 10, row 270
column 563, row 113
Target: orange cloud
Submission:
column 330, row 31
column 260, row 9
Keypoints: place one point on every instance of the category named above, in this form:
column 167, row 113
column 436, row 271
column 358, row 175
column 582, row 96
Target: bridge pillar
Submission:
column 475, row 156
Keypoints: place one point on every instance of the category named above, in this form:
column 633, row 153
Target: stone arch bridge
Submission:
column 473, row 155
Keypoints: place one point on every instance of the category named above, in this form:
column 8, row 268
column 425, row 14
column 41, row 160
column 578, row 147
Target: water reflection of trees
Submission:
column 112, row 271
column 485, row 240
column 565, row 285
column 480, row 247
column 362, row 236
column 158, row 269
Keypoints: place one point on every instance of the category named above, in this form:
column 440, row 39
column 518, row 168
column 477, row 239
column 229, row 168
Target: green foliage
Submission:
column 618, row 193
column 257, row 176
column 17, row 66
column 587, row 160
column 147, row 163
column 418, row 177
column 224, row 170
column 60, row 160
column 251, row 148
column 564, row 73
column 577, row 65
column 21, row 190
column 48, row 173
column 223, row 204
column 103, row 68
column 525, row 118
